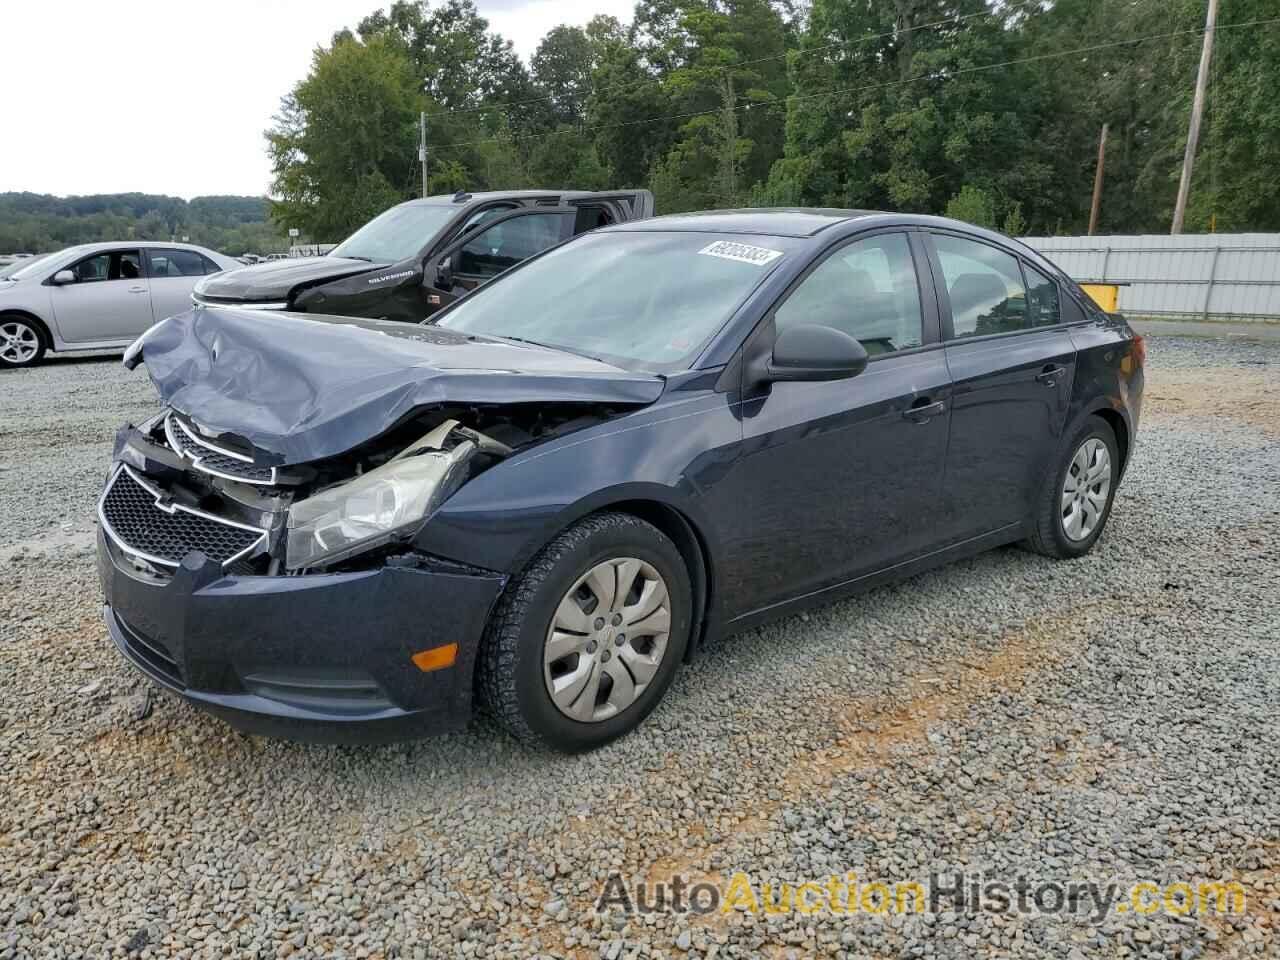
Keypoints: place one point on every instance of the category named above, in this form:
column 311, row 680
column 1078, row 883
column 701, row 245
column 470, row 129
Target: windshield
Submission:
column 22, row 268
column 397, row 234
column 635, row 299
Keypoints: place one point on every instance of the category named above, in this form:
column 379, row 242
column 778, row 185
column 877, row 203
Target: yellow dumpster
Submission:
column 1105, row 295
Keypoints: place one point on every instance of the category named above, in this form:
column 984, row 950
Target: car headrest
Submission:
column 976, row 291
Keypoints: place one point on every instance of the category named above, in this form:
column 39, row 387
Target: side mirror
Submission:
column 444, row 273
column 63, row 277
column 812, row 352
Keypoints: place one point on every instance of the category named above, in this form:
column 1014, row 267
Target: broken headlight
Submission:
column 368, row 510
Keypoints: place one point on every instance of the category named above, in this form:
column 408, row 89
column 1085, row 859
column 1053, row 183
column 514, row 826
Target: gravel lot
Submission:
column 1111, row 718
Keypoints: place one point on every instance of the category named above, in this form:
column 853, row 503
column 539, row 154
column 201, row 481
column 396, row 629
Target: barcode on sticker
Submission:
column 742, row 252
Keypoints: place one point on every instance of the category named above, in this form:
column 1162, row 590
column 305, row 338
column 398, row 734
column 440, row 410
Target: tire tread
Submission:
column 499, row 651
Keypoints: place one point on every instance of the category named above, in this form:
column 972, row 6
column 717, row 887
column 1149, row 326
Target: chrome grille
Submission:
column 212, row 459
column 135, row 517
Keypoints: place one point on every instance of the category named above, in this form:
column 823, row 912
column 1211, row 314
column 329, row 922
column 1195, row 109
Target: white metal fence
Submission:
column 1219, row 275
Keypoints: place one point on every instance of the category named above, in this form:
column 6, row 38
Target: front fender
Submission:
column 672, row 457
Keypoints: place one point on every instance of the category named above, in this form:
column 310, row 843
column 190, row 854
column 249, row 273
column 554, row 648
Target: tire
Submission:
column 22, row 342
column 516, row 672
column 1058, row 509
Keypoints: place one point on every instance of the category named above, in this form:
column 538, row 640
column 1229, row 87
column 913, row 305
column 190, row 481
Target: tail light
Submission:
column 1136, row 358
column 1139, row 350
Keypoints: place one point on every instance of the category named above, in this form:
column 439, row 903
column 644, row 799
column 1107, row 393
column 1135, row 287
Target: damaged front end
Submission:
column 257, row 539
column 174, row 490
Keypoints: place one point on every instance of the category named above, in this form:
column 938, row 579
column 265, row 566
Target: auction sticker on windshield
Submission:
column 742, row 252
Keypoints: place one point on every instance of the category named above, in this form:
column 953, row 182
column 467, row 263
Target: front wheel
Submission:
column 21, row 344
column 1076, row 501
column 586, row 641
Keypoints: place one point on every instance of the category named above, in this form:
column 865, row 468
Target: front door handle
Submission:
column 925, row 412
column 1049, row 375
column 137, row 289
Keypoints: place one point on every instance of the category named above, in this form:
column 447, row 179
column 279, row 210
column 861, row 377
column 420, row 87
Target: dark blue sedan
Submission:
column 553, row 493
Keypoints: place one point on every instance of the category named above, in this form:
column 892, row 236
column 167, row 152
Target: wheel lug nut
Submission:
column 620, row 639
column 591, row 647
column 617, row 619
column 605, row 655
column 599, row 623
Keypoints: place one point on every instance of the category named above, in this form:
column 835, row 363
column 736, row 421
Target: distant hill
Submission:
column 40, row 223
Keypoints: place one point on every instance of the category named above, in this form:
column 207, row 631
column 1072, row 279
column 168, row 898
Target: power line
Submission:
column 949, row 21
column 939, row 75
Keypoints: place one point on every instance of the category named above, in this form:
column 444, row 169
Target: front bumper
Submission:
column 323, row 657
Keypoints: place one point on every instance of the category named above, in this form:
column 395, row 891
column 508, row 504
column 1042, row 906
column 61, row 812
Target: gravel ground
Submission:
column 1111, row 718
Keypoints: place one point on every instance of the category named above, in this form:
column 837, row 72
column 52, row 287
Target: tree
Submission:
column 973, row 205
column 345, row 137
column 984, row 108
column 562, row 68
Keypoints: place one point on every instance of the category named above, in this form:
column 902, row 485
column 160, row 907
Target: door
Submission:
column 842, row 478
column 1012, row 364
column 172, row 273
column 496, row 245
column 110, row 299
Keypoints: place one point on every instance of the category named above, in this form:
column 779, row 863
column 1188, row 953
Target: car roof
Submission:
column 447, row 199
column 772, row 221
column 133, row 245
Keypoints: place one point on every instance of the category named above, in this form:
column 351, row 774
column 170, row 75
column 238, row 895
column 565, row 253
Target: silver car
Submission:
column 97, row 296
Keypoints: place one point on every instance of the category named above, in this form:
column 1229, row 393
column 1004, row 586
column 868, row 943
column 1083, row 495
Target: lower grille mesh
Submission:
column 137, row 523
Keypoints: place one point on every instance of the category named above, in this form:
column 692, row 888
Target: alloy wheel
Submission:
column 607, row 639
column 1085, row 490
column 19, row 343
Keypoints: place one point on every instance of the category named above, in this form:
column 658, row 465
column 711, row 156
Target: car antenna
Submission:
column 461, row 196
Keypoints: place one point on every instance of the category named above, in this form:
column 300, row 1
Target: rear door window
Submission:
column 984, row 285
column 177, row 263
column 1043, row 306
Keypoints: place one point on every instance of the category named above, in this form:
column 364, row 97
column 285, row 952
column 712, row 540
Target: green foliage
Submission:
column 968, row 107
column 973, row 205
column 562, row 68
column 344, row 140
column 38, row 223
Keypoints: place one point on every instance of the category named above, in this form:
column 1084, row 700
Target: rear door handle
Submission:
column 925, row 412
column 1049, row 375
column 137, row 289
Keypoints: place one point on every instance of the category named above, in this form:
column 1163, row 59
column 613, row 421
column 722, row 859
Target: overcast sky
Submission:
column 99, row 97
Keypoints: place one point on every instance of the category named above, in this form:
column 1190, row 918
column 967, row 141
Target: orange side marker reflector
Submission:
column 437, row 658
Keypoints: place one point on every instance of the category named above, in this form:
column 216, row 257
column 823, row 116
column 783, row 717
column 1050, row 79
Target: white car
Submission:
column 97, row 296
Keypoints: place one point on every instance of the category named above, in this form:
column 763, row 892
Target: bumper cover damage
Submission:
column 323, row 657
column 257, row 538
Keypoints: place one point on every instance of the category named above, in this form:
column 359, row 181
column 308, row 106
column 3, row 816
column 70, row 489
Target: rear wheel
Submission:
column 585, row 643
column 1076, row 501
column 21, row 342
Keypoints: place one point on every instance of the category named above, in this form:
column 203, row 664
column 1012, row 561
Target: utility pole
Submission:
column 422, row 148
column 1097, row 181
column 1197, row 111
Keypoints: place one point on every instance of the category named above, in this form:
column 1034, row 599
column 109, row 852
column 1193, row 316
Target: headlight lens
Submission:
column 344, row 519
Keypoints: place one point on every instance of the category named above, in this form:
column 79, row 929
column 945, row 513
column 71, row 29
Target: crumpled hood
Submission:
column 302, row 387
column 275, row 279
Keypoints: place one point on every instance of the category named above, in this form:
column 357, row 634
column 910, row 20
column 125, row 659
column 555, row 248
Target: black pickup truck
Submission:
column 415, row 258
